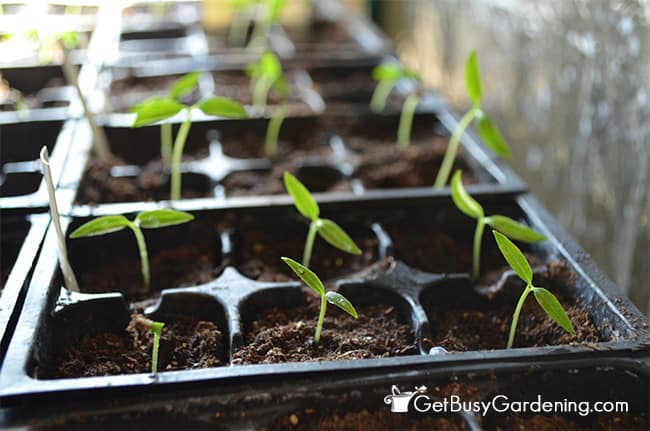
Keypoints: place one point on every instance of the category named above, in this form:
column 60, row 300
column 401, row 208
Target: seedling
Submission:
column 388, row 75
column 145, row 220
column 486, row 127
column 270, row 14
column 162, row 108
column 242, row 14
column 507, row 226
column 327, row 229
column 266, row 75
column 315, row 284
column 181, row 88
column 544, row 298
column 156, row 330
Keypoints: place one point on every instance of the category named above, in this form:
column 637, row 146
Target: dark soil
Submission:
column 182, row 265
column 280, row 335
column 128, row 92
column 560, row 423
column 260, row 254
column 236, row 85
column 186, row 343
column 248, row 142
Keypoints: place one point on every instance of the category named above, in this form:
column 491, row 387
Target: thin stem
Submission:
column 144, row 255
column 261, row 91
column 450, row 155
column 154, row 353
column 309, row 244
column 515, row 316
column 380, row 95
column 321, row 318
column 406, row 121
column 177, row 155
column 166, row 143
column 238, row 29
column 273, row 132
column 478, row 237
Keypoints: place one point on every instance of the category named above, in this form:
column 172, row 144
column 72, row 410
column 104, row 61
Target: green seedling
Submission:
column 486, row 127
column 316, row 285
column 271, row 10
column 145, row 220
column 507, row 226
column 387, row 76
column 544, row 298
column 243, row 11
column 327, row 229
column 156, row 330
column 180, row 89
column 162, row 108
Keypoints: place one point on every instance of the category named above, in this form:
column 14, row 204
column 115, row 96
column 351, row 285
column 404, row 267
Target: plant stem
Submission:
column 478, row 237
column 238, row 29
column 177, row 155
column 144, row 255
column 166, row 143
column 273, row 132
column 406, row 121
column 380, row 95
column 154, row 353
column 261, row 92
column 309, row 244
column 515, row 316
column 321, row 318
column 450, row 155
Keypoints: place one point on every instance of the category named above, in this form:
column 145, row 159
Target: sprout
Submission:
column 327, row 229
column 507, row 226
column 486, row 128
column 156, row 330
column 145, row 220
column 242, row 14
column 162, row 108
column 387, row 76
column 545, row 299
column 333, row 298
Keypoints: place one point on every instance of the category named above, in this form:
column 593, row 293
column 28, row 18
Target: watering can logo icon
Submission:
column 399, row 401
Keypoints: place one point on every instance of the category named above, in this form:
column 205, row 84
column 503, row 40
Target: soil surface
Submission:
column 236, row 86
column 186, row 343
column 127, row 92
column 561, row 423
column 287, row 335
column 260, row 254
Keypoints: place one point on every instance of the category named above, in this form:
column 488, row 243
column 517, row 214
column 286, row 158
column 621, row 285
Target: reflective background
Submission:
column 568, row 81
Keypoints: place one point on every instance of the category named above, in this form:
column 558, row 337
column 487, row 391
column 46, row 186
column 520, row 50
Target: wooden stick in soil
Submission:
column 99, row 138
column 69, row 279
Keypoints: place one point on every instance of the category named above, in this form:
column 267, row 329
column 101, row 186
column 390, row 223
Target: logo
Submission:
column 399, row 401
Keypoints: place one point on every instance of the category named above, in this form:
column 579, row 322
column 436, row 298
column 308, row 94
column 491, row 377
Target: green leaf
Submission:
column 154, row 110
column 156, row 327
column 70, row 39
column 553, row 308
column 332, row 233
column 162, row 218
column 388, row 72
column 514, row 230
column 473, row 79
column 101, row 226
column 222, row 107
column 302, row 199
column 270, row 66
column 514, row 257
column 492, row 136
column 274, row 9
column 342, row 302
column 306, row 275
column 467, row 204
column 184, row 85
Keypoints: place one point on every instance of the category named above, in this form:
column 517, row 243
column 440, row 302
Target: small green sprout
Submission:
column 327, row 229
column 545, row 298
column 333, row 298
column 162, row 108
column 469, row 206
column 387, row 76
column 486, row 127
column 156, row 330
column 145, row 220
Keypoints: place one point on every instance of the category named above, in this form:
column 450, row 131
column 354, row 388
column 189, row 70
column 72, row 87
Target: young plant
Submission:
column 327, row 229
column 243, row 11
column 544, row 298
column 156, row 330
column 387, row 76
column 163, row 108
column 507, row 226
column 315, row 284
column 486, row 127
column 145, row 220
column 181, row 88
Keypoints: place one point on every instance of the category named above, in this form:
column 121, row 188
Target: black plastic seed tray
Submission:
column 238, row 248
column 22, row 187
